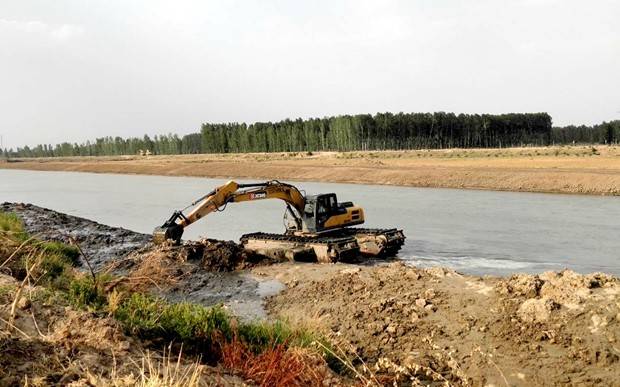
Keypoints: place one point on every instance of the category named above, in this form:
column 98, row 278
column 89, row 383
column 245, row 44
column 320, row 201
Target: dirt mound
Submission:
column 166, row 263
column 437, row 326
column 540, row 295
column 207, row 272
column 216, row 255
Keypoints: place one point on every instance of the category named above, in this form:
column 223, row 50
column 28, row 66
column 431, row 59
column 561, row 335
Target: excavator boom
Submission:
column 217, row 199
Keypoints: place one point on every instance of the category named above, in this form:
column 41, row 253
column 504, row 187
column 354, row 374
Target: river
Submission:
column 477, row 232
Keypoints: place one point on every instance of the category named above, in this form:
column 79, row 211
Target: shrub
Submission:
column 207, row 329
column 275, row 366
column 85, row 292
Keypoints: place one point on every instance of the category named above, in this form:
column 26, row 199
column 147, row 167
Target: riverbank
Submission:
column 575, row 169
column 392, row 321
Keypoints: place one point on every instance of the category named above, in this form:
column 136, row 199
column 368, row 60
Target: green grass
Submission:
column 152, row 318
column 85, row 293
column 203, row 329
column 70, row 254
column 11, row 223
column 56, row 259
column 258, row 335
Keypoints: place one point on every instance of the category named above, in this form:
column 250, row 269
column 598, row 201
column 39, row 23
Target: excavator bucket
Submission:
column 172, row 232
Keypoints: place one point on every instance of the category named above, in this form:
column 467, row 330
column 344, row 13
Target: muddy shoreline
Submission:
column 576, row 170
column 108, row 249
column 554, row 328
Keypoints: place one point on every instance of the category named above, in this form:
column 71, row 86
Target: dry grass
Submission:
column 278, row 366
column 166, row 371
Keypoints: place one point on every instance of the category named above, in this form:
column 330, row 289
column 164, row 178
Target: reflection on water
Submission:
column 481, row 232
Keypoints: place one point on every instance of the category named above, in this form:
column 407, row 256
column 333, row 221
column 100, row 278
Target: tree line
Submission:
column 381, row 131
column 604, row 133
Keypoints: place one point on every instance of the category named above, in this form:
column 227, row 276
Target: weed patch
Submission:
column 11, row 223
column 86, row 293
column 275, row 366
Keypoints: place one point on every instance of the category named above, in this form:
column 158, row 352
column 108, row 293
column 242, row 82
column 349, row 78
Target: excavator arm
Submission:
column 232, row 191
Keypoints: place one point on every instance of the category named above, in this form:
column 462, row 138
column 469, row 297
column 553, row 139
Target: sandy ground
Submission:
column 390, row 320
column 577, row 169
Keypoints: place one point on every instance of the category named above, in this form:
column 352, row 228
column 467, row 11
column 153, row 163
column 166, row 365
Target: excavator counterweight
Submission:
column 319, row 227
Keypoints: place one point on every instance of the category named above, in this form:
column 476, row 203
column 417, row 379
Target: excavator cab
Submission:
column 323, row 213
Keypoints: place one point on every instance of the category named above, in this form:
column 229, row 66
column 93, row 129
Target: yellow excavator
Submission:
column 317, row 226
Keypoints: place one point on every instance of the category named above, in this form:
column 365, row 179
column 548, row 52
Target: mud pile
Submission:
column 207, row 272
column 99, row 242
column 435, row 325
column 168, row 264
column 216, row 255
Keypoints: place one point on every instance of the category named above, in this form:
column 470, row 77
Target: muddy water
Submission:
column 478, row 232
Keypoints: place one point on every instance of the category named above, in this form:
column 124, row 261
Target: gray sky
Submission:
column 76, row 70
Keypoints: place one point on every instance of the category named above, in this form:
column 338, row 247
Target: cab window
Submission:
column 309, row 210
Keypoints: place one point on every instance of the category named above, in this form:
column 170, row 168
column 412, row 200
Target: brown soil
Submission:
column 577, row 169
column 438, row 325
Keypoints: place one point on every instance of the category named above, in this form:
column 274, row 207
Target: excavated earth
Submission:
column 395, row 323
column 556, row 328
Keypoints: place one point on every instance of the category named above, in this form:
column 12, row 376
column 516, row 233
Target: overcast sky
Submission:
column 76, row 70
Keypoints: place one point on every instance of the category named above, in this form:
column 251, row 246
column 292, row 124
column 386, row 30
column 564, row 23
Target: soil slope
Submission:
column 584, row 170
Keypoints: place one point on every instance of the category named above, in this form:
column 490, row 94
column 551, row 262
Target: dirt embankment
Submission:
column 556, row 328
column 577, row 169
column 394, row 322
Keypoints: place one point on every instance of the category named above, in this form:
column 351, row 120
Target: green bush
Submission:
column 191, row 321
column 197, row 327
column 86, row 293
column 140, row 315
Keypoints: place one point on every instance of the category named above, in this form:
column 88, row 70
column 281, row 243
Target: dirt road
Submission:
column 578, row 169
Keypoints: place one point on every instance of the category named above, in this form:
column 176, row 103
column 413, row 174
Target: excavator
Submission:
column 318, row 227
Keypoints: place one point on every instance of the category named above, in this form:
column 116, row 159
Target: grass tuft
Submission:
column 11, row 223
column 85, row 293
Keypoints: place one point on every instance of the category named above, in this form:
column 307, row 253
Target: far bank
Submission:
column 593, row 170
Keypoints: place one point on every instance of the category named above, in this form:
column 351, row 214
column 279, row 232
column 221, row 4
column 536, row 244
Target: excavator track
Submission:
column 332, row 248
column 342, row 245
column 377, row 242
